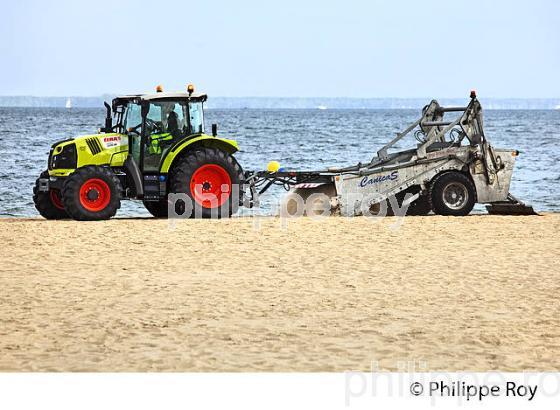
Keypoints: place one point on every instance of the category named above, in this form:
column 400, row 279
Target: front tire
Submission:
column 452, row 194
column 212, row 179
column 91, row 193
column 49, row 204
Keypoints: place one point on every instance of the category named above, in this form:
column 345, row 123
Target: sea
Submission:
column 300, row 139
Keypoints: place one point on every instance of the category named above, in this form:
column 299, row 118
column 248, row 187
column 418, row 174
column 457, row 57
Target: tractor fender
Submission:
column 189, row 144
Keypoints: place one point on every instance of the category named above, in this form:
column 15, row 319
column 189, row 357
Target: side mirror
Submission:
column 214, row 130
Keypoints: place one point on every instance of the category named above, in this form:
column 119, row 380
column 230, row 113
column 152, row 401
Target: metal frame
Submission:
column 489, row 169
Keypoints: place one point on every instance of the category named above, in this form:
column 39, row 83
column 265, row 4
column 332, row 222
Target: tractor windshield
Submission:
column 177, row 117
column 166, row 122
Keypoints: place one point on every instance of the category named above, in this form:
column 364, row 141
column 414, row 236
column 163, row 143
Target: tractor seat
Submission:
column 173, row 124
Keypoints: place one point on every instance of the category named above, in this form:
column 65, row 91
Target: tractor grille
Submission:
column 93, row 145
column 65, row 159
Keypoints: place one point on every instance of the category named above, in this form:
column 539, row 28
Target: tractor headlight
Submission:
column 64, row 159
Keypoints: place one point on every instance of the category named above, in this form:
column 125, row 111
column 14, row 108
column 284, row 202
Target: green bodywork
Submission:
column 111, row 149
column 229, row 146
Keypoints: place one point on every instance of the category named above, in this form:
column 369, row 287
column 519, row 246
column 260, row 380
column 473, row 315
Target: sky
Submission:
column 345, row 48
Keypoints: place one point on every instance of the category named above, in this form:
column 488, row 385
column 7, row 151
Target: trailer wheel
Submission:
column 49, row 204
column 91, row 193
column 452, row 194
column 213, row 181
column 157, row 208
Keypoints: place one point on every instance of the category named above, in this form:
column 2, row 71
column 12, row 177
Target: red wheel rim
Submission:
column 211, row 186
column 95, row 195
column 55, row 198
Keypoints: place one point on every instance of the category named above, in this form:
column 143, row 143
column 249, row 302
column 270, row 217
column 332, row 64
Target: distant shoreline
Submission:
column 297, row 103
column 287, row 108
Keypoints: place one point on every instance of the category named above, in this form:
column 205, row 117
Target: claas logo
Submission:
column 111, row 139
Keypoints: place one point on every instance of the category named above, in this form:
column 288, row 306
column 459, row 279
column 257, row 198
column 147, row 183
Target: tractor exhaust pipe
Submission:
column 108, row 118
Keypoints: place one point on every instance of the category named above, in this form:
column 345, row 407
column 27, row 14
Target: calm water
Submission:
column 299, row 139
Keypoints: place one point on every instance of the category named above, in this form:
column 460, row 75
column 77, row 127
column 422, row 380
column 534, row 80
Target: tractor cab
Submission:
column 155, row 122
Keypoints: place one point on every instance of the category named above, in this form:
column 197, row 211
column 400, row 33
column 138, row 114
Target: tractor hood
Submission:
column 101, row 142
column 97, row 149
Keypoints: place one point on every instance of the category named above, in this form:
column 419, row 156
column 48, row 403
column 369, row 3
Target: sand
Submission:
column 476, row 293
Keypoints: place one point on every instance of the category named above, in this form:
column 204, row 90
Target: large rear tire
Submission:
column 157, row 208
column 49, row 204
column 452, row 194
column 212, row 179
column 92, row 193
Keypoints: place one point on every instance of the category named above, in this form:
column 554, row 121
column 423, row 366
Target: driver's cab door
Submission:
column 164, row 124
column 133, row 124
column 155, row 137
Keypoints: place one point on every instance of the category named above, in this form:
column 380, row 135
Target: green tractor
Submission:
column 152, row 145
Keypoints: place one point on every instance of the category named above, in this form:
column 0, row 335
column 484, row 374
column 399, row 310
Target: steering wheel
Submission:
column 156, row 128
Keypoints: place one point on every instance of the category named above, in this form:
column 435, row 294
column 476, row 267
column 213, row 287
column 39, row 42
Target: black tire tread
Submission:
column 435, row 194
column 71, row 189
column 43, row 202
column 158, row 209
column 191, row 161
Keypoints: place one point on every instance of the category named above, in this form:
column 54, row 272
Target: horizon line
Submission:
column 289, row 97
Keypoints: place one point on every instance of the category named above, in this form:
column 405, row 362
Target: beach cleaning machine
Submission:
column 153, row 148
column 452, row 167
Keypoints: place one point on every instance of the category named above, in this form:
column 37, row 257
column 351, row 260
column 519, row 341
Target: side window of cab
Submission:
column 196, row 118
column 133, row 116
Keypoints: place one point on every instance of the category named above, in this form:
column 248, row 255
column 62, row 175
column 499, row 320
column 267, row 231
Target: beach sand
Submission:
column 476, row 293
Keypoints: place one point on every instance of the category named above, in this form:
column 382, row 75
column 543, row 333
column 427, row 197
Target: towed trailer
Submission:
column 452, row 167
